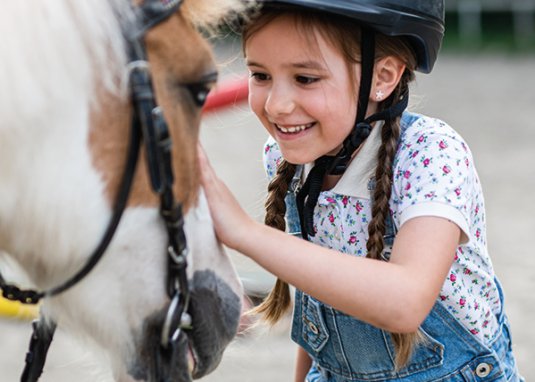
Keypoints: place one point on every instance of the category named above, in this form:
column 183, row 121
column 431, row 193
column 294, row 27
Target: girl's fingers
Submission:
column 207, row 172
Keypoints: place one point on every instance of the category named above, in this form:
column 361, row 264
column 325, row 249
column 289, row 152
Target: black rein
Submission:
column 149, row 125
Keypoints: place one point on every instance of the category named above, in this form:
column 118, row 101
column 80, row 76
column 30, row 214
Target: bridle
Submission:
column 148, row 126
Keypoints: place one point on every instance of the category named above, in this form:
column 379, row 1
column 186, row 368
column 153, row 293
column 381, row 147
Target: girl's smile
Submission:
column 300, row 89
column 293, row 129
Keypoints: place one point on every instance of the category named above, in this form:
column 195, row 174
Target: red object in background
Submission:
column 227, row 93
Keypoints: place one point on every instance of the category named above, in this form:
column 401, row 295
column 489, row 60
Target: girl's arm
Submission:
column 302, row 365
column 395, row 295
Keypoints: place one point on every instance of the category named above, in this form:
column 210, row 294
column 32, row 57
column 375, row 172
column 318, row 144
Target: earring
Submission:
column 379, row 95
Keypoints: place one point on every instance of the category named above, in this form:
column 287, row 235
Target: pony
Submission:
column 66, row 114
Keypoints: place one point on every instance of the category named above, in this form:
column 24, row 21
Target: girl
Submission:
column 393, row 280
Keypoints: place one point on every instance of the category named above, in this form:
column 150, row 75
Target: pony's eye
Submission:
column 199, row 92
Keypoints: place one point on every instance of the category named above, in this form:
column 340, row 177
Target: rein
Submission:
column 148, row 125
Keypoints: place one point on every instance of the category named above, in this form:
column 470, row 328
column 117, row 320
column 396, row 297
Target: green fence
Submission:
column 490, row 24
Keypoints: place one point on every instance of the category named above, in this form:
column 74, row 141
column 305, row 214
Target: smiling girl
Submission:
column 393, row 278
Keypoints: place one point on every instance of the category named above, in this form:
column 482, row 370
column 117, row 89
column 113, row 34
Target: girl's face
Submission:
column 302, row 94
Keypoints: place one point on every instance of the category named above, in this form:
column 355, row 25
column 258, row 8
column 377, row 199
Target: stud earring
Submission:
column 379, row 95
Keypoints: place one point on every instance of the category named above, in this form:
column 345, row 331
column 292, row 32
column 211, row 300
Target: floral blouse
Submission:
column 434, row 175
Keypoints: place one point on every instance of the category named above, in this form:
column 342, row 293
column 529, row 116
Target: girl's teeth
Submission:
column 293, row 129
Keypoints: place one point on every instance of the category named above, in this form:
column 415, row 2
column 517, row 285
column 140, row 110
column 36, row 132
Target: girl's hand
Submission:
column 231, row 222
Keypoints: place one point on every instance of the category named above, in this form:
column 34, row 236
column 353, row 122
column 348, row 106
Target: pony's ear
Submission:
column 387, row 74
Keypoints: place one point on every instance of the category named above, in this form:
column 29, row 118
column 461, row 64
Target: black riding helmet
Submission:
column 420, row 22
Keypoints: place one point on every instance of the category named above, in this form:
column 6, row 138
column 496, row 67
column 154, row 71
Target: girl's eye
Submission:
column 305, row 80
column 259, row 76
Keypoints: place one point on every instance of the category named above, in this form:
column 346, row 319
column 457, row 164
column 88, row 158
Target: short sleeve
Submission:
column 434, row 175
column 271, row 157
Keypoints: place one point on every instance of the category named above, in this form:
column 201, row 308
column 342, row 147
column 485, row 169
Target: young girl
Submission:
column 393, row 280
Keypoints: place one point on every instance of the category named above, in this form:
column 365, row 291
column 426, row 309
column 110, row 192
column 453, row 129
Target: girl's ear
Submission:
column 387, row 74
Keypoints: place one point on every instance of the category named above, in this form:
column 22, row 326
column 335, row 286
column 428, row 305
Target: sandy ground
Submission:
column 489, row 99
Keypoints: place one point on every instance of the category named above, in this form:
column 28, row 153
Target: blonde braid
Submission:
column 278, row 301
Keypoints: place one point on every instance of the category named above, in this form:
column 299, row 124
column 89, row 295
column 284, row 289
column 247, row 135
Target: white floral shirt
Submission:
column 434, row 175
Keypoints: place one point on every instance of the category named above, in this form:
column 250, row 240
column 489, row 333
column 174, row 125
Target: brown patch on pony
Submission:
column 177, row 55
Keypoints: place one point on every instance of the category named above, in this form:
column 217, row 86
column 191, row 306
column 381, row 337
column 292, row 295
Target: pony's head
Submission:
column 63, row 140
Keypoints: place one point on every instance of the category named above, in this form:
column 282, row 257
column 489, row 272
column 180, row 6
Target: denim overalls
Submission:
column 345, row 349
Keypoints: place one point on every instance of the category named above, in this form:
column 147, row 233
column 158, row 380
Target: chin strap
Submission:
column 307, row 197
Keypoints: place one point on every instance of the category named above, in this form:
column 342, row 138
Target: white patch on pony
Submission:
column 52, row 54
column 129, row 282
column 47, row 174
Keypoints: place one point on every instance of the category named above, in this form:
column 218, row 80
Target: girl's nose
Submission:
column 280, row 101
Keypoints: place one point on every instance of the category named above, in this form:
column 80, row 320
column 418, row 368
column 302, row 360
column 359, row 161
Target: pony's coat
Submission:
column 59, row 57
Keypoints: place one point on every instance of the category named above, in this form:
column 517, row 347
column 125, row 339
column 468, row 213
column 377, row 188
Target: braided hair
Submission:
column 345, row 37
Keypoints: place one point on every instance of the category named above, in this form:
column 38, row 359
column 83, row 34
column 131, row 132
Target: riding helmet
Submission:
column 420, row 21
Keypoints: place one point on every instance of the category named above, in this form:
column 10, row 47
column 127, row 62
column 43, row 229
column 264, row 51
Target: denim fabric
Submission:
column 345, row 349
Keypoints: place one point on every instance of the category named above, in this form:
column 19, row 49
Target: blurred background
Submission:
column 483, row 85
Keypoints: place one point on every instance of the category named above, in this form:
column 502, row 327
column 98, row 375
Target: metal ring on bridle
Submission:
column 168, row 335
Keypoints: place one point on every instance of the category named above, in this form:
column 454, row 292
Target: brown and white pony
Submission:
column 65, row 117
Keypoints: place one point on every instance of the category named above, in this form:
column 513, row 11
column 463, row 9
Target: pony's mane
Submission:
column 54, row 52
column 51, row 53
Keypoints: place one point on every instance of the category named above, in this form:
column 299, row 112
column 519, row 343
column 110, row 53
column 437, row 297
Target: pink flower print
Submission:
column 267, row 149
column 421, row 139
column 453, row 278
column 458, row 191
column 467, row 271
column 359, row 206
column 485, row 323
column 331, row 218
column 442, row 145
column 474, row 331
column 426, row 162
column 407, row 174
column 330, row 200
column 443, row 298
column 446, row 169
column 415, row 154
column 345, row 200
column 476, row 306
column 430, row 195
column 352, row 239
column 462, row 301
column 466, row 162
column 408, row 186
column 478, row 233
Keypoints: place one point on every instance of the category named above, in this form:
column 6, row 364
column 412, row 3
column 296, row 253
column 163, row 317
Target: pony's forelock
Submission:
column 208, row 14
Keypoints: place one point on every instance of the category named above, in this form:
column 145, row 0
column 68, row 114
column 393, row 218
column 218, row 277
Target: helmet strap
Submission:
column 336, row 165
column 361, row 130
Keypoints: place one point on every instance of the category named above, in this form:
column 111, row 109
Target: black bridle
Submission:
column 148, row 126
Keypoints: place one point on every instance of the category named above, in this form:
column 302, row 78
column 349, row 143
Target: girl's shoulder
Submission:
column 413, row 124
column 431, row 134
